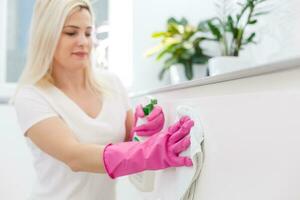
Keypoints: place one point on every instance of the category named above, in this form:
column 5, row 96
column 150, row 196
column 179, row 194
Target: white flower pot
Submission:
column 225, row 64
column 177, row 74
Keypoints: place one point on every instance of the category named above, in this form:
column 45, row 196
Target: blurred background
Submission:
column 124, row 35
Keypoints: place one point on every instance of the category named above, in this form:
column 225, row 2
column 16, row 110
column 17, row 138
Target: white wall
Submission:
column 277, row 33
column 120, row 36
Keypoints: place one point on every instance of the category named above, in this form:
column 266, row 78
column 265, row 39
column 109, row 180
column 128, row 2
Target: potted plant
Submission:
column 180, row 46
column 230, row 30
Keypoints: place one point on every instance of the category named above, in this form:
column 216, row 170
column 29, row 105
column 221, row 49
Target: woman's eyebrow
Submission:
column 77, row 27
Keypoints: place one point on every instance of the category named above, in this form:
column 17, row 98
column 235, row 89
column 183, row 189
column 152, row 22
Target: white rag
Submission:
column 195, row 151
column 176, row 183
column 180, row 183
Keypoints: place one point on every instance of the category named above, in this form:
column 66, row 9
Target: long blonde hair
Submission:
column 46, row 26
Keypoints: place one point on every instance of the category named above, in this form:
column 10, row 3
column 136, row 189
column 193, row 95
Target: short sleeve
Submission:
column 31, row 107
column 123, row 92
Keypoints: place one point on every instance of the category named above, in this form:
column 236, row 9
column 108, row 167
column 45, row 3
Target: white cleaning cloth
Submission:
column 180, row 183
column 195, row 151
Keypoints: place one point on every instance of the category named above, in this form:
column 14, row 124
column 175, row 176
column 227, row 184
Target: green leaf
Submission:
column 250, row 39
column 215, row 30
column 158, row 34
column 200, row 58
column 261, row 13
column 183, row 21
column 187, row 55
column 165, row 51
column 188, row 69
column 172, row 20
column 168, row 63
column 203, row 25
column 189, row 31
column 235, row 33
column 154, row 50
column 161, row 73
column 230, row 24
column 240, row 34
column 171, row 61
column 252, row 21
column 198, row 40
column 173, row 29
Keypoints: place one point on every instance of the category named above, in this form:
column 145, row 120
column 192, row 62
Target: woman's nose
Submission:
column 82, row 40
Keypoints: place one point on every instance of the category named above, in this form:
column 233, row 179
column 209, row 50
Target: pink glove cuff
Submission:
column 105, row 161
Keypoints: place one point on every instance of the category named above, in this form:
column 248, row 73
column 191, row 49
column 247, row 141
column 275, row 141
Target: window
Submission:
column 18, row 21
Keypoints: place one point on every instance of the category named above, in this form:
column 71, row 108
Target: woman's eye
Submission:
column 75, row 33
column 71, row 33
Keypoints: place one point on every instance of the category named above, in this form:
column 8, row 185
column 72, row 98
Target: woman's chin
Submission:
column 81, row 65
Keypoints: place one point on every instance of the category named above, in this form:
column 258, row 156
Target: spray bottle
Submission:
column 147, row 110
column 144, row 181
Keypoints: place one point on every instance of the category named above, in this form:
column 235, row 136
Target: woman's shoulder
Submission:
column 27, row 93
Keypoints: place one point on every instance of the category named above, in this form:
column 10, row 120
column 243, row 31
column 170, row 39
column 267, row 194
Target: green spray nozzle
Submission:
column 149, row 107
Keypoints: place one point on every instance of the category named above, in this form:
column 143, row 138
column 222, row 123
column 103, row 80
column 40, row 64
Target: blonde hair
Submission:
column 46, row 26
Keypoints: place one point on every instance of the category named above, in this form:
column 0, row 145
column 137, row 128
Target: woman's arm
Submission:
column 159, row 152
column 129, row 124
column 54, row 137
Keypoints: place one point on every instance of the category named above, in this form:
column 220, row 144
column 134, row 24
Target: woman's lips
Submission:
column 80, row 54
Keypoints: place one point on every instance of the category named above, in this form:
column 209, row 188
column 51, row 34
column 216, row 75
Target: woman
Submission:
column 78, row 127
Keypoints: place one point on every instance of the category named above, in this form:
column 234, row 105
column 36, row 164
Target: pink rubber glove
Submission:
column 160, row 151
column 155, row 122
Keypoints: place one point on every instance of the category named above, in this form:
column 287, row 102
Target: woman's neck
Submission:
column 68, row 80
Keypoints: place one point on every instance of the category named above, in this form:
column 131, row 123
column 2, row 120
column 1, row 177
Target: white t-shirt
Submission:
column 55, row 180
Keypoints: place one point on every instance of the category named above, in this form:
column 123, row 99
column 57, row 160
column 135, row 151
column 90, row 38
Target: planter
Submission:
column 226, row 64
column 177, row 74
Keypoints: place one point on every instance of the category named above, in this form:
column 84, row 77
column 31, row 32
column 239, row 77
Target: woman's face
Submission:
column 75, row 43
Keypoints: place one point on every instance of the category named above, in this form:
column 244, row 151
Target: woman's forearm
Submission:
column 55, row 138
column 87, row 158
column 128, row 125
